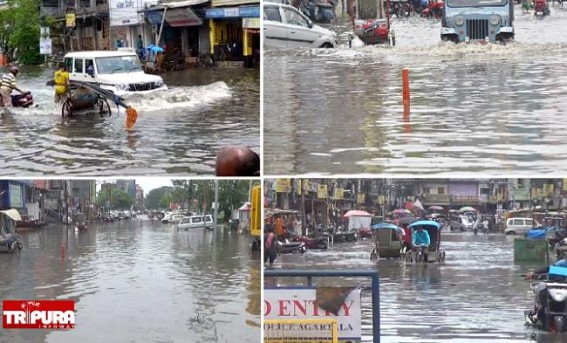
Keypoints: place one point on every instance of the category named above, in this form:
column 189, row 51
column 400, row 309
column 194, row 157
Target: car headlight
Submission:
column 122, row 86
column 159, row 83
column 558, row 294
column 459, row 21
column 494, row 20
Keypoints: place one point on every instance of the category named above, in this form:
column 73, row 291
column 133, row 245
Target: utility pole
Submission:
column 304, row 229
column 216, row 202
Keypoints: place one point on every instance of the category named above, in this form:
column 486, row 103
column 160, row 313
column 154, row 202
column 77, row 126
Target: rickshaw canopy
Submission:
column 425, row 223
column 388, row 226
column 357, row 213
column 12, row 214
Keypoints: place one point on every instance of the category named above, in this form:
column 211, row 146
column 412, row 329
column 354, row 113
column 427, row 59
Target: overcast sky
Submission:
column 149, row 183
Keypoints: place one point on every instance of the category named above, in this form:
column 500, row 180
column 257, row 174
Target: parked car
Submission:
column 196, row 222
column 520, row 226
column 286, row 27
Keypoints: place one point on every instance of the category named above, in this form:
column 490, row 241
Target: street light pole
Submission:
column 216, row 202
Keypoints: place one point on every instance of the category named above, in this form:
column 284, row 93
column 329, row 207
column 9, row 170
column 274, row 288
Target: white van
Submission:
column 196, row 222
column 520, row 226
column 117, row 71
column 286, row 27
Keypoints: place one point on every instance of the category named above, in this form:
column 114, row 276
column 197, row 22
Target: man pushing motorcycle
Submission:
column 8, row 85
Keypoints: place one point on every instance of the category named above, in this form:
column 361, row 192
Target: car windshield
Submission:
column 476, row 3
column 118, row 64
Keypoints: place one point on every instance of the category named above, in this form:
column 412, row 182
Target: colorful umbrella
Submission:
column 467, row 209
column 357, row 213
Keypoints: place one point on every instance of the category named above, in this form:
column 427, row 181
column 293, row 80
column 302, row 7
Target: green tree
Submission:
column 155, row 197
column 19, row 30
column 232, row 194
column 119, row 200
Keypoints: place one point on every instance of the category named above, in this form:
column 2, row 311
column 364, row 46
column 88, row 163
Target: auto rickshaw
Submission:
column 388, row 241
column 9, row 241
column 434, row 252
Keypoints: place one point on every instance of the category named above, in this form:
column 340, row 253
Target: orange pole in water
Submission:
column 62, row 252
column 405, row 85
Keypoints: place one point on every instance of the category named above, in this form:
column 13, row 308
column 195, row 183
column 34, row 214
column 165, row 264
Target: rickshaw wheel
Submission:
column 66, row 110
column 104, row 106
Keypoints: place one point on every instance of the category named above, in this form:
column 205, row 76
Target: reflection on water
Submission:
column 476, row 295
column 177, row 132
column 474, row 108
column 139, row 281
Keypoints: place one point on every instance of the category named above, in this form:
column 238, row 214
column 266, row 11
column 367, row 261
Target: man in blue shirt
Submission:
column 420, row 239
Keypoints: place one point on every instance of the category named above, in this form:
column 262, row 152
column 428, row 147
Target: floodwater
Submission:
column 477, row 295
column 178, row 132
column 474, row 108
column 138, row 281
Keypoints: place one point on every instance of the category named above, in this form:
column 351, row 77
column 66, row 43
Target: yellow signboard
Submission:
column 536, row 192
column 298, row 186
column 283, row 185
column 361, row 198
column 322, row 191
column 339, row 193
column 565, row 185
column 70, row 20
column 381, row 200
column 548, row 189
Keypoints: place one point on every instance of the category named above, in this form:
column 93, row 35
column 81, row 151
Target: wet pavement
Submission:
column 476, row 295
column 178, row 132
column 158, row 284
column 474, row 108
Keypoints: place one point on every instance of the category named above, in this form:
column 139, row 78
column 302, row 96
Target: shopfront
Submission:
column 235, row 32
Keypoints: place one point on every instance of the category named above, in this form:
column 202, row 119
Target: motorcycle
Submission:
column 434, row 9
column 541, row 9
column 313, row 243
column 551, row 315
column 288, row 247
column 22, row 100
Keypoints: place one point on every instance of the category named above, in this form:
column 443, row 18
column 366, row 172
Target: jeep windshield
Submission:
column 476, row 3
column 118, row 64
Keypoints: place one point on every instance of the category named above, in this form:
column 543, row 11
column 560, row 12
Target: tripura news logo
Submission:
column 38, row 314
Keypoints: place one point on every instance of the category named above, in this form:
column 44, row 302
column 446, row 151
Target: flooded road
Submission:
column 474, row 108
column 138, row 281
column 477, row 295
column 178, row 132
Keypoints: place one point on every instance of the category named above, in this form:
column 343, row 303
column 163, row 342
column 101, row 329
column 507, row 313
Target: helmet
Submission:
column 14, row 70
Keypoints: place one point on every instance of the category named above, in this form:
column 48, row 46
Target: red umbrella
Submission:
column 357, row 213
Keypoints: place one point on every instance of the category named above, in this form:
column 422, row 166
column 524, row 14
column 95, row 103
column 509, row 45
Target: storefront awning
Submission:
column 178, row 13
column 177, row 17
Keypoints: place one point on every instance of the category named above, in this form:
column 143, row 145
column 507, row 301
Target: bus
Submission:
column 474, row 20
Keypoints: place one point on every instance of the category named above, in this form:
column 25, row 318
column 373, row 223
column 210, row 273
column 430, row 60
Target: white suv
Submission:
column 519, row 226
column 286, row 27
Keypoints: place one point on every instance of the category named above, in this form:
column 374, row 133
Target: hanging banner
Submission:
column 70, row 20
column 381, row 200
column 339, row 193
column 298, row 186
column 361, row 198
column 565, row 185
column 322, row 192
column 123, row 12
column 283, row 185
column 548, row 189
column 45, row 46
